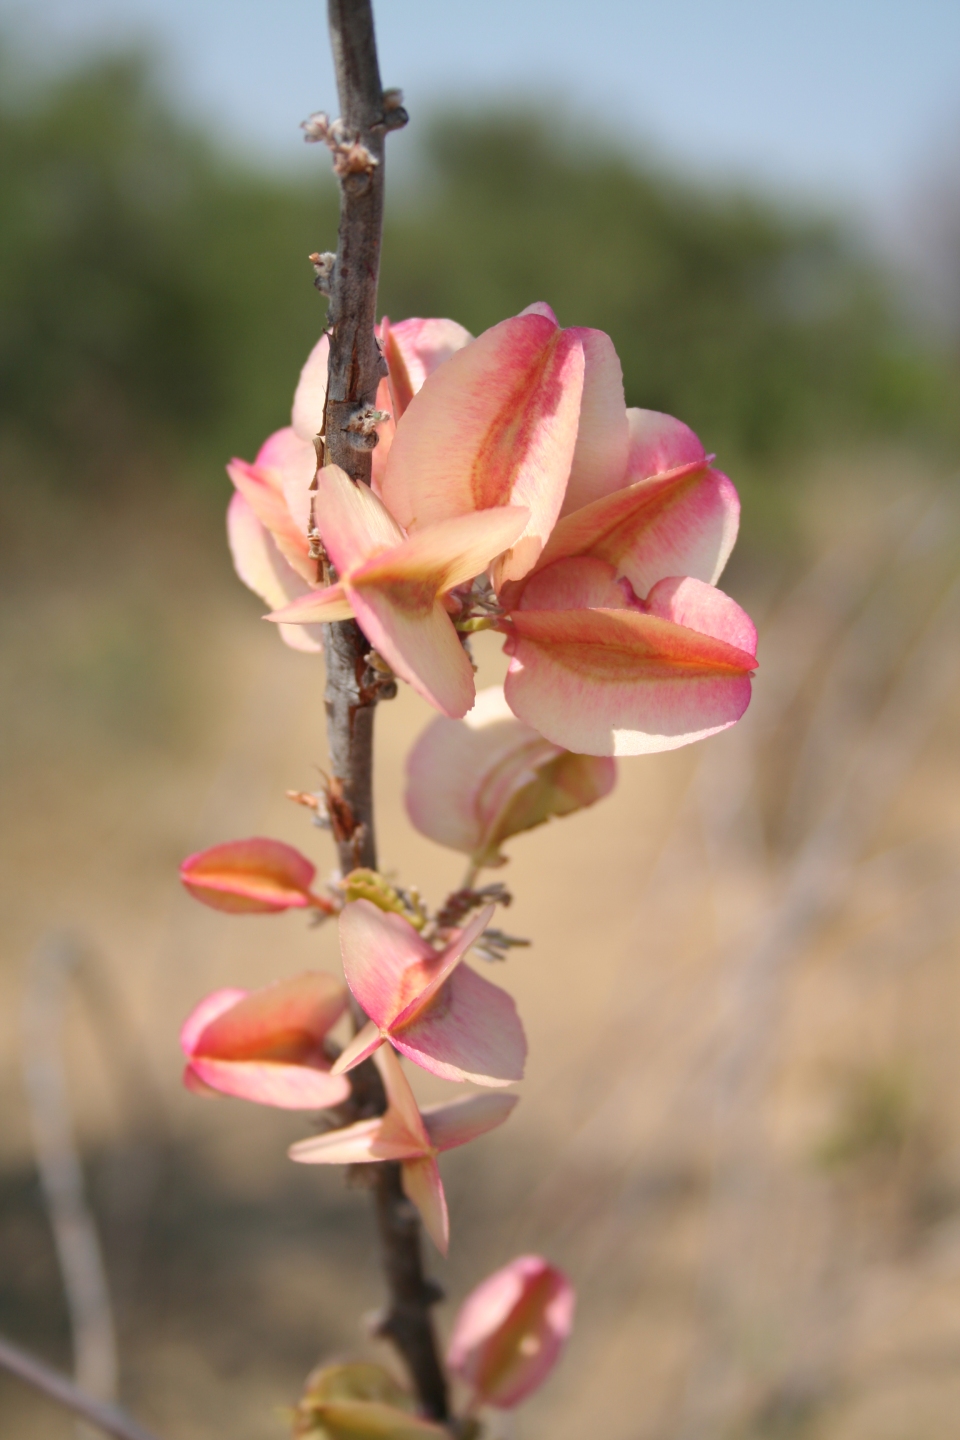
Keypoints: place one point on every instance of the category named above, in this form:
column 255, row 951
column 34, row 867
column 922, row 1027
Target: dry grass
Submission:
column 739, row 1130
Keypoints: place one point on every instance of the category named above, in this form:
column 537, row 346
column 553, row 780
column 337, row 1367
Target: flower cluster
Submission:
column 512, row 489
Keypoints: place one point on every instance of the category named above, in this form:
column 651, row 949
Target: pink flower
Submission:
column 268, row 519
column 267, row 1045
column 602, row 530
column 415, row 1139
column 473, row 783
column 253, row 876
column 620, row 642
column 395, row 585
column 510, row 1331
column 436, row 1011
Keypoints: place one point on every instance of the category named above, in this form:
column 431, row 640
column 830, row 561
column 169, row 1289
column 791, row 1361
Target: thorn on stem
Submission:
column 394, row 115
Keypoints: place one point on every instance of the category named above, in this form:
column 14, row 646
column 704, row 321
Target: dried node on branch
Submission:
column 350, row 155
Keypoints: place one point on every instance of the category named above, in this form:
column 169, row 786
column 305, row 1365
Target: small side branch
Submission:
column 108, row 1418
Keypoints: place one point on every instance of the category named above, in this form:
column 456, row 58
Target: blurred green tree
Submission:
column 154, row 292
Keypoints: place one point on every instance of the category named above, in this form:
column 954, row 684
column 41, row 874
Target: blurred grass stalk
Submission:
column 58, row 1164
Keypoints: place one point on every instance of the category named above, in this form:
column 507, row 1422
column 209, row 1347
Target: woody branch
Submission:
column 353, row 685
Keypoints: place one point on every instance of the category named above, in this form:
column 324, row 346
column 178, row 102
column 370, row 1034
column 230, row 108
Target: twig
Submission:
column 61, row 1176
column 57, row 1387
column 355, row 370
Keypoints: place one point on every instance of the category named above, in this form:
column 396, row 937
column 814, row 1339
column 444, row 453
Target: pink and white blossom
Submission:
column 413, row 1138
column 268, row 1045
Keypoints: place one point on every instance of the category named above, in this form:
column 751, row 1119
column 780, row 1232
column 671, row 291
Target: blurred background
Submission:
column 740, row 1130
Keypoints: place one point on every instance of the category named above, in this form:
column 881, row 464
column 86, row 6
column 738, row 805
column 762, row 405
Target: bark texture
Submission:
column 353, row 685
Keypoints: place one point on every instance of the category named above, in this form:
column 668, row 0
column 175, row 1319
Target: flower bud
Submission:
column 359, row 1402
column 510, row 1331
column 255, row 876
column 473, row 783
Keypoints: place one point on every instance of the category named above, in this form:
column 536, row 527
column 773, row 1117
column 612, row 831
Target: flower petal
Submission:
column 471, row 1031
column 419, row 643
column 386, row 962
column 621, row 682
column 371, row 1420
column 461, row 774
column 600, row 457
column 510, row 1331
column 292, row 462
column 250, row 876
column 422, row 1185
column 680, row 523
column 658, row 443
column 413, row 349
column 200, row 1017
column 457, row 1122
column 262, row 487
column 316, row 607
column 358, row 1144
column 286, row 1021
column 263, row 570
column 354, row 523
column 495, row 425
column 268, row 1082
column 360, row 1048
column 446, row 554
column 310, row 396
column 403, row 1115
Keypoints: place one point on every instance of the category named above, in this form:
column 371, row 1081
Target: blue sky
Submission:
column 849, row 99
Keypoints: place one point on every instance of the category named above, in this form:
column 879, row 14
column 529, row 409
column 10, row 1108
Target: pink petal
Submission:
column 292, row 463
column 262, row 488
column 659, row 443
column 420, row 645
column 471, row 1032
column 457, row 1122
column 311, row 392
column 540, row 307
column 422, row 1185
column 471, row 784
column 250, row 876
column 680, row 523
column 200, row 1017
column 414, row 349
column 385, row 961
column 494, row 425
column 269, row 1082
column 263, row 570
column 393, row 972
column 403, row 1117
column 316, row 607
column 510, row 1331
column 705, row 609
column 354, row 523
column 447, row 554
column 361, row 1047
column 446, row 962
column 580, row 582
column 285, row 1022
column 461, row 775
column 621, row 682
column 354, row 1145
column 385, row 433
column 600, row 459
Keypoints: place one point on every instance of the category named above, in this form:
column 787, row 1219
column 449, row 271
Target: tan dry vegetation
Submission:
column 739, row 1130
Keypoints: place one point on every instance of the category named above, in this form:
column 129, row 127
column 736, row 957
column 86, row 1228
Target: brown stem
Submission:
column 62, row 1391
column 353, row 687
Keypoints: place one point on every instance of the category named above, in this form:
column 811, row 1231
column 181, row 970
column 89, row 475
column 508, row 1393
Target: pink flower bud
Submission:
column 254, row 876
column 510, row 1331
